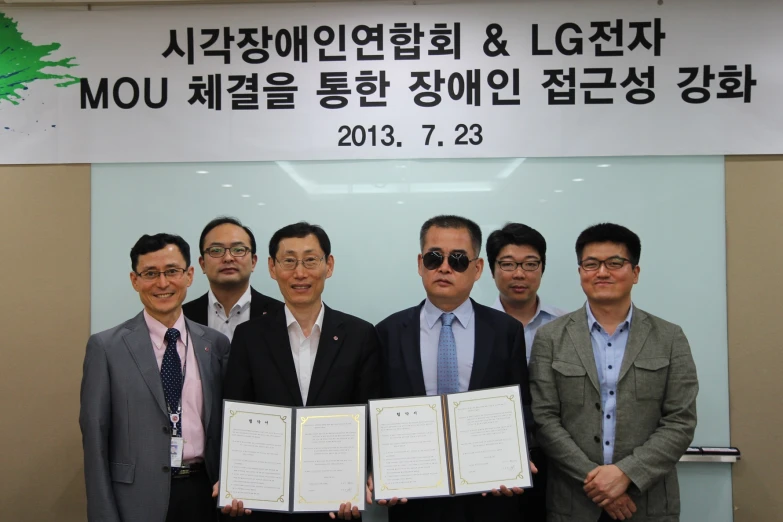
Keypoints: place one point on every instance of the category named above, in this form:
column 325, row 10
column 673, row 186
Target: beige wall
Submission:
column 754, row 236
column 45, row 278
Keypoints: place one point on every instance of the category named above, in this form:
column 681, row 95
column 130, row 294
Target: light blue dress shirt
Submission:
column 464, row 328
column 608, row 351
column 544, row 314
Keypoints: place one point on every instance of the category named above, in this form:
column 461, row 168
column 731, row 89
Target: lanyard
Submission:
column 176, row 416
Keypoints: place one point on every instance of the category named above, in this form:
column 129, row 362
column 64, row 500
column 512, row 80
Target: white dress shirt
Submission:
column 226, row 323
column 304, row 348
column 544, row 314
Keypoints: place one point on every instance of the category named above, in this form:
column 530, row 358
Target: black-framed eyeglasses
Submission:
column 290, row 263
column 528, row 265
column 458, row 261
column 611, row 263
column 219, row 251
column 172, row 274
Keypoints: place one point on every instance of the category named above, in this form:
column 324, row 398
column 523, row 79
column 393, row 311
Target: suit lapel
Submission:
column 483, row 346
column 201, row 349
column 257, row 304
column 140, row 347
column 276, row 339
column 580, row 337
column 411, row 350
column 329, row 344
column 640, row 328
column 199, row 310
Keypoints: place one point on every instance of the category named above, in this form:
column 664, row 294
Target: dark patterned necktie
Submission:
column 171, row 376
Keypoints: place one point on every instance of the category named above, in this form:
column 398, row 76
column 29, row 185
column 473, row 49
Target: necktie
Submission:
column 448, row 372
column 171, row 376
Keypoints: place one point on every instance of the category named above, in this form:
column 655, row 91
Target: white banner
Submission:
column 320, row 82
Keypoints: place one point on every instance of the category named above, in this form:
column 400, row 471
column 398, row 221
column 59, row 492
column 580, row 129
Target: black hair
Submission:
column 225, row 220
column 515, row 234
column 610, row 233
column 301, row 229
column 147, row 244
column 445, row 221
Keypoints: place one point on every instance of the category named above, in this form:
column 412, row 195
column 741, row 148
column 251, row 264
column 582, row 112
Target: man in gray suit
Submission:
column 151, row 401
column 614, row 394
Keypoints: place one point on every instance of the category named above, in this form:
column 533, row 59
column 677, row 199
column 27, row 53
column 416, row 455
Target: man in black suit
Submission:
column 303, row 353
column 490, row 352
column 228, row 258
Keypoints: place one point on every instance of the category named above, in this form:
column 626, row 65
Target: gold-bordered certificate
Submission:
column 488, row 442
column 409, row 448
column 293, row 459
column 449, row 444
column 330, row 458
column 256, row 456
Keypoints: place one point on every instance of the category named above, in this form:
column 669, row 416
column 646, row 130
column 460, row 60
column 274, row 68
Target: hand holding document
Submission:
column 449, row 445
column 292, row 459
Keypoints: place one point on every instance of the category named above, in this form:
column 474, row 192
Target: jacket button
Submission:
column 597, row 405
column 166, row 469
column 596, row 439
column 166, row 430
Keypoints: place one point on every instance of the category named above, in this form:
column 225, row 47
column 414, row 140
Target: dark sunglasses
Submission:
column 458, row 261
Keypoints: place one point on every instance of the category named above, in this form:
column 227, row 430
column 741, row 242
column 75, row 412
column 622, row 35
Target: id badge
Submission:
column 177, row 448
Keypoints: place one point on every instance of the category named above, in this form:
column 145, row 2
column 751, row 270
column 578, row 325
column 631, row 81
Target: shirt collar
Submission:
column 540, row 307
column 591, row 321
column 243, row 302
column 290, row 319
column 463, row 313
column 158, row 329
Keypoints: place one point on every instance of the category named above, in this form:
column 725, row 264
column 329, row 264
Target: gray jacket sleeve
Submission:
column 95, row 422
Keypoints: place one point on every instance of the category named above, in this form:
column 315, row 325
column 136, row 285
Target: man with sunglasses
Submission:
column 449, row 343
column 517, row 258
column 228, row 258
column 151, row 401
column 614, row 394
column 304, row 353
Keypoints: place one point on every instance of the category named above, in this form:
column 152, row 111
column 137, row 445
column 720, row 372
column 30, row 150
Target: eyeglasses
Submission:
column 530, row 265
column 290, row 263
column 172, row 274
column 458, row 261
column 219, row 251
column 613, row 263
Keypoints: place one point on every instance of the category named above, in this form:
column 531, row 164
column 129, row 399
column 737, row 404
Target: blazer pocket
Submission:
column 570, row 379
column 122, row 472
column 651, row 377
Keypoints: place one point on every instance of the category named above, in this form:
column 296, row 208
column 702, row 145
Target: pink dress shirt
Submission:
column 192, row 394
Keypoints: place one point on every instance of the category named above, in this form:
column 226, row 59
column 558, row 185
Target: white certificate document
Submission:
column 409, row 448
column 256, row 456
column 330, row 453
column 488, row 442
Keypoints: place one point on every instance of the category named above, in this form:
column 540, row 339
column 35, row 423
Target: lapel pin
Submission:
column 206, row 348
column 264, row 313
column 335, row 337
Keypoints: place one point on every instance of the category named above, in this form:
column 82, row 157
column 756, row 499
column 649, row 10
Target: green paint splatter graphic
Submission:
column 21, row 62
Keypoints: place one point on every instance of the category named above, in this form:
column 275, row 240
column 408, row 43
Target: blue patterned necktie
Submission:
column 171, row 376
column 448, row 372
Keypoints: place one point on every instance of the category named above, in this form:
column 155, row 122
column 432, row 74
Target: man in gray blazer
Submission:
column 614, row 394
column 151, row 400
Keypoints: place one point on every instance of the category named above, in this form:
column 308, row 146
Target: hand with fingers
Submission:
column 235, row 509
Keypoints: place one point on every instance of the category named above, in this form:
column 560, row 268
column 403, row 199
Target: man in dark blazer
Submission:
column 129, row 422
column 490, row 352
column 228, row 258
column 614, row 394
column 303, row 353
